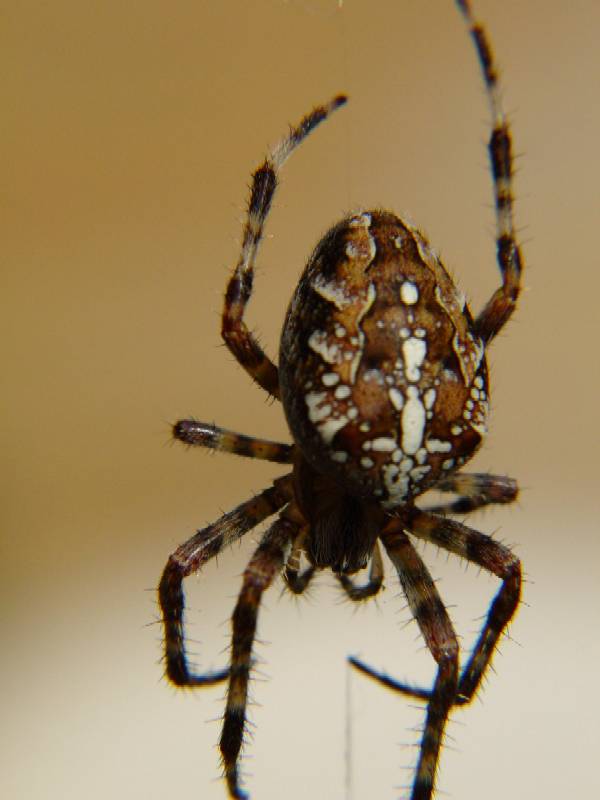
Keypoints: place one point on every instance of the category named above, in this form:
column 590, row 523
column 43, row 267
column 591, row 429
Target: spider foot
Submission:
column 388, row 681
column 179, row 675
column 233, row 786
column 209, row 678
column 398, row 686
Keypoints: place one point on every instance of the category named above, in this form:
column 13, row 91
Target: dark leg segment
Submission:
column 476, row 491
column 266, row 562
column 434, row 622
column 189, row 557
column 236, row 335
column 503, row 301
column 373, row 585
column 202, row 434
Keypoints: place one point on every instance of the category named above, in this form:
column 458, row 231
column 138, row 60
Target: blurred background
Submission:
column 129, row 134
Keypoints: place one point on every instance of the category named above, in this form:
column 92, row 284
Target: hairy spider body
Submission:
column 383, row 379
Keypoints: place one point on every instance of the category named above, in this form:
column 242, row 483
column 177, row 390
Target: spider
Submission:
column 383, row 380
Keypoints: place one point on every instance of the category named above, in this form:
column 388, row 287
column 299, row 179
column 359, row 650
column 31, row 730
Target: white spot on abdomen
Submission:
column 330, row 427
column 438, row 446
column 396, row 398
column 332, row 292
column 409, row 294
column 429, row 398
column 317, row 411
column 342, row 392
column 413, row 351
column 383, row 444
column 413, row 422
column 369, row 300
column 396, row 484
column 330, row 353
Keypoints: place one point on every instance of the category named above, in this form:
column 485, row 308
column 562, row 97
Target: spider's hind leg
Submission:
column 436, row 627
column 492, row 556
column 264, row 565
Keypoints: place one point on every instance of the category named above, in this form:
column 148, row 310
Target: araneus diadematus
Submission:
column 383, row 379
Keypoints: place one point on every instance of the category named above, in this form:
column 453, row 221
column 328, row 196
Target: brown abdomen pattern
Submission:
column 383, row 380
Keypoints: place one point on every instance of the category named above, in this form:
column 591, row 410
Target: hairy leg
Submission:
column 491, row 556
column 502, row 303
column 190, row 557
column 495, row 558
column 436, row 627
column 265, row 564
column 238, row 338
column 475, row 490
column 203, row 434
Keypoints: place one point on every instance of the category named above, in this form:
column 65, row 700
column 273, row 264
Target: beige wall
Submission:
column 129, row 134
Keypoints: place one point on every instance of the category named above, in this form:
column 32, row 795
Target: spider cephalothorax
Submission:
column 383, row 379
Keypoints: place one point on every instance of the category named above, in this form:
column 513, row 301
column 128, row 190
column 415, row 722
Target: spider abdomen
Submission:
column 383, row 379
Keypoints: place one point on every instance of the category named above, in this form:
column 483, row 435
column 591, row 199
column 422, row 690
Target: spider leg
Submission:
column 495, row 558
column 264, row 565
column 298, row 580
column 502, row 303
column 436, row 627
column 373, row 585
column 203, row 434
column 475, row 490
column 491, row 556
column 189, row 557
column 240, row 341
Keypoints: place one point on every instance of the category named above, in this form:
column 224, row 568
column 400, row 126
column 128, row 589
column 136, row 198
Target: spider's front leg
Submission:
column 266, row 563
column 189, row 557
column 503, row 302
column 237, row 336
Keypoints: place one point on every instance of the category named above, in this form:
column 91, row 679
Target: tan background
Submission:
column 129, row 134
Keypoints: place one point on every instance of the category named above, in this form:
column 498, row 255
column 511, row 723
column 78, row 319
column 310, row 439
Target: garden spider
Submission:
column 383, row 380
